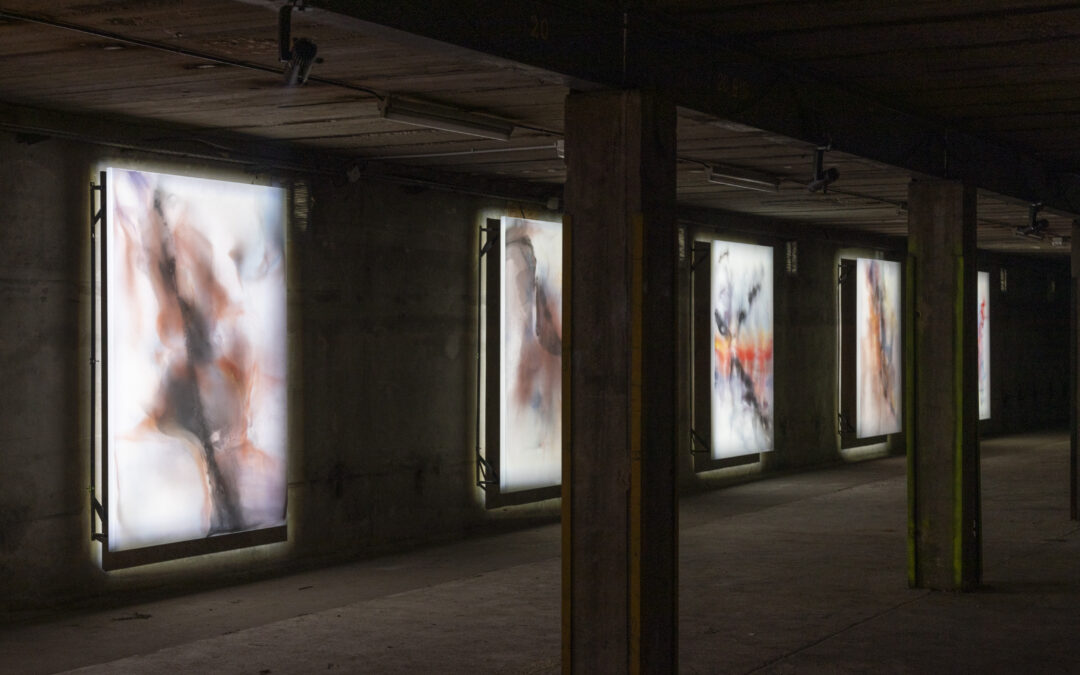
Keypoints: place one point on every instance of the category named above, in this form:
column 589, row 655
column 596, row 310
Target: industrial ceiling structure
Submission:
column 882, row 92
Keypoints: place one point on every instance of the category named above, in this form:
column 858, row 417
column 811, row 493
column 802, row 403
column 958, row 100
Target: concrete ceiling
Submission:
column 183, row 74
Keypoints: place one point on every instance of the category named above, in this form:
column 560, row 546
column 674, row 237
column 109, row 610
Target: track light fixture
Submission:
column 1036, row 226
column 444, row 118
column 823, row 177
column 741, row 178
column 299, row 54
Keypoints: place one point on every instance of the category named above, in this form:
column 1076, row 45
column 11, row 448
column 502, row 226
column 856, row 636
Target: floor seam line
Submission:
column 837, row 632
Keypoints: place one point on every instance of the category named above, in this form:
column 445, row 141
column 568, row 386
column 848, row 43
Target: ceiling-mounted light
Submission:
column 741, row 178
column 299, row 54
column 1036, row 226
column 823, row 177
column 444, row 118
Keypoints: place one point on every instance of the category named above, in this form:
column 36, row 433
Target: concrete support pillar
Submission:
column 619, row 433
column 941, row 418
column 1074, row 378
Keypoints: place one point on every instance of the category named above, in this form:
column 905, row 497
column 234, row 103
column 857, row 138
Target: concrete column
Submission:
column 619, row 434
column 1074, row 378
column 941, row 418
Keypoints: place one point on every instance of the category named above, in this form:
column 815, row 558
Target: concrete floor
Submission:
column 797, row 574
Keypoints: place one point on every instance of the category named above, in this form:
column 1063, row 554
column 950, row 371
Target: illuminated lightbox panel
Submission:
column 878, row 370
column 196, row 443
column 984, row 344
column 741, row 354
column 530, row 382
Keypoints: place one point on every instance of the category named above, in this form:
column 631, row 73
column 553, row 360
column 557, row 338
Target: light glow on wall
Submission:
column 196, row 358
column 741, row 357
column 530, row 430
column 878, row 369
column 984, row 344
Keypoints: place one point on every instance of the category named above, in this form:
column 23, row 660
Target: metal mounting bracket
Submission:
column 98, row 223
column 696, row 440
column 697, row 260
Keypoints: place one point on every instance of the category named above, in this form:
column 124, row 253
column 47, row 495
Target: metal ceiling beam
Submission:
column 588, row 45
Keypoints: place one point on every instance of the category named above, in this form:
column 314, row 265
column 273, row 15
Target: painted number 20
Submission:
column 538, row 27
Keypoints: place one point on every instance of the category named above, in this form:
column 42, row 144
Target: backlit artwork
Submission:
column 878, row 371
column 984, row 345
column 741, row 320
column 530, row 433
column 197, row 361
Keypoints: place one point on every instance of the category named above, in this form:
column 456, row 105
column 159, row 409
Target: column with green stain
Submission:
column 941, row 416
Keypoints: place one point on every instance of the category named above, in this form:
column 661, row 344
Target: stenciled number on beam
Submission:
column 538, row 27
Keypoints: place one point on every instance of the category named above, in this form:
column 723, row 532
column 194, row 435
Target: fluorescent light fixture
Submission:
column 444, row 119
column 741, row 178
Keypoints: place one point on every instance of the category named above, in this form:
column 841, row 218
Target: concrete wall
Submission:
column 382, row 302
column 805, row 357
column 382, row 314
column 44, row 529
column 385, row 299
column 1029, row 343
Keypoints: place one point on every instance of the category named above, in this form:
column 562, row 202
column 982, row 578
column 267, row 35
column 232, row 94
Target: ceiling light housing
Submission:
column 443, row 118
column 1036, row 226
column 741, row 178
column 298, row 54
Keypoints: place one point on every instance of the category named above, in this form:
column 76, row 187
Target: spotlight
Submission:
column 823, row 177
column 444, row 118
column 299, row 54
column 1036, row 226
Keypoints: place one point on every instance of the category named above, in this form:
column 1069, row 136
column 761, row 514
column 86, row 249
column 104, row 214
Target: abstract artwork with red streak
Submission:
column 741, row 321
column 983, row 295
column 197, row 358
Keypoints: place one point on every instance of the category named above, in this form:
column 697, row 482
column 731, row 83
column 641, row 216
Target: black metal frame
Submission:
column 699, row 253
column 487, row 462
column 98, row 221
column 487, row 476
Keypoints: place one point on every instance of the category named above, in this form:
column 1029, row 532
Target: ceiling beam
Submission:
column 32, row 125
column 129, row 133
column 589, row 45
column 722, row 221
